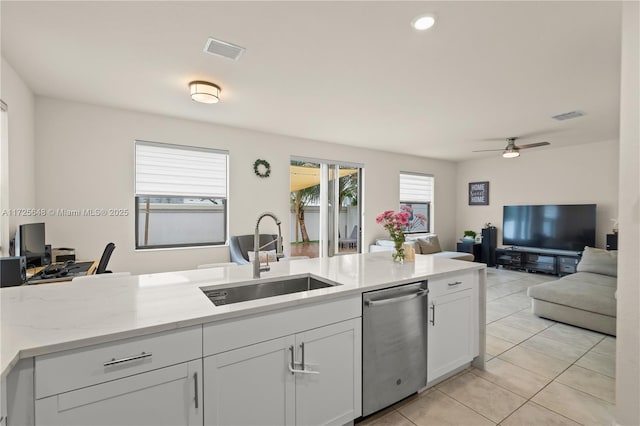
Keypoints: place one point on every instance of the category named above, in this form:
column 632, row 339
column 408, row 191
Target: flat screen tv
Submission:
column 561, row 227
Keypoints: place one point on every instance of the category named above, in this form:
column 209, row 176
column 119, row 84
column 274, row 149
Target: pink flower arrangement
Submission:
column 395, row 224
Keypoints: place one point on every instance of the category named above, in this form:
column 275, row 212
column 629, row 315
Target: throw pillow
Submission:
column 599, row 261
column 267, row 255
column 429, row 245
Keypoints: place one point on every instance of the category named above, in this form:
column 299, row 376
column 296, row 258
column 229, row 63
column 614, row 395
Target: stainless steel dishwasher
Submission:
column 394, row 344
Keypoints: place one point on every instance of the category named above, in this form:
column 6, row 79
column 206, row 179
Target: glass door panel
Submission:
column 348, row 210
column 325, row 208
column 305, row 208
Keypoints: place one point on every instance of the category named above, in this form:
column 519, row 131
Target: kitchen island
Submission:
column 50, row 332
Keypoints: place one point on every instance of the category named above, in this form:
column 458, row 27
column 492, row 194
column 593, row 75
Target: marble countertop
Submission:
column 46, row 318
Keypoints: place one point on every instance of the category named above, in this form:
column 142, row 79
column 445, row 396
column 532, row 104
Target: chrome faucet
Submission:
column 257, row 268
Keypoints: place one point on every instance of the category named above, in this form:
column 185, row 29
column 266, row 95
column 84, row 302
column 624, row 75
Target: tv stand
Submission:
column 557, row 262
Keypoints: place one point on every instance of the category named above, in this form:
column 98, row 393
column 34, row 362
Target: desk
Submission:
column 33, row 271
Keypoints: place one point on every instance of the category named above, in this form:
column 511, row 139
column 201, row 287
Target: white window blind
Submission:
column 416, row 188
column 163, row 169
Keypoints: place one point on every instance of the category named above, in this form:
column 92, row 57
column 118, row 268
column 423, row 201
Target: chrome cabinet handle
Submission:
column 127, row 359
column 433, row 315
column 294, row 370
column 454, row 284
column 381, row 302
column 292, row 366
column 195, row 386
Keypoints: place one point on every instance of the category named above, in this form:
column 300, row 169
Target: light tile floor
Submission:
column 538, row 372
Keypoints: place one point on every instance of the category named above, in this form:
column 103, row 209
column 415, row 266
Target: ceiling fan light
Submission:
column 511, row 153
column 423, row 22
column 204, row 92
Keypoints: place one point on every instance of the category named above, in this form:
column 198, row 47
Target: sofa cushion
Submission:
column 429, row 245
column 599, row 261
column 455, row 255
column 385, row 243
column 583, row 290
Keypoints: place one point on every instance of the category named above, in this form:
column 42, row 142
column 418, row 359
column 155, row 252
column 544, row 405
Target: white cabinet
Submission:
column 149, row 380
column 331, row 397
column 309, row 378
column 167, row 396
column 453, row 324
column 250, row 385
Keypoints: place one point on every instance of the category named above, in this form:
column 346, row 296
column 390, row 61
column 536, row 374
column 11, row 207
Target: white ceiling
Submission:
column 353, row 73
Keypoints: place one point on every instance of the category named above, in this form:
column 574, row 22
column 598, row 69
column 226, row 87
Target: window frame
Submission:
column 429, row 203
column 139, row 198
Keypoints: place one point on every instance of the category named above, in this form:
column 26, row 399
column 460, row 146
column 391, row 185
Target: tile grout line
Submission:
column 465, row 405
column 552, row 380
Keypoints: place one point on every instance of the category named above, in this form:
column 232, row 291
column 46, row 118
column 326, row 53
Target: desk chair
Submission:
column 106, row 255
column 102, row 276
column 217, row 265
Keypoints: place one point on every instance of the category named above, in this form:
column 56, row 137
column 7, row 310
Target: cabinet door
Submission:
column 333, row 396
column 251, row 385
column 452, row 334
column 167, row 396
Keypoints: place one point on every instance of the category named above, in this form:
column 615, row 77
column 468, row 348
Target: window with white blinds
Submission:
column 416, row 198
column 181, row 195
column 163, row 169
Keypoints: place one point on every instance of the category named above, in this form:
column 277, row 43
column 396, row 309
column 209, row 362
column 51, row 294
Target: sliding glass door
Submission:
column 326, row 200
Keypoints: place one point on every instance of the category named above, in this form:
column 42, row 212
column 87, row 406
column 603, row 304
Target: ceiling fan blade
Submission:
column 532, row 145
column 487, row 150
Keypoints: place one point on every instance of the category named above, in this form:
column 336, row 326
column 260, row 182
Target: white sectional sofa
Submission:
column 422, row 244
column 585, row 299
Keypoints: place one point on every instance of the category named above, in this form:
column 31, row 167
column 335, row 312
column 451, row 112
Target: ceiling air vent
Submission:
column 568, row 115
column 223, row 48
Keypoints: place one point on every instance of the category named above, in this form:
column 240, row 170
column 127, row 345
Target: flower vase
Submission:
column 398, row 254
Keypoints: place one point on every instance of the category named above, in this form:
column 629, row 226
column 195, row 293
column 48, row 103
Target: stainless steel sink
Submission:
column 243, row 293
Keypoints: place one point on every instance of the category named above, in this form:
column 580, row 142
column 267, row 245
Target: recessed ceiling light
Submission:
column 423, row 22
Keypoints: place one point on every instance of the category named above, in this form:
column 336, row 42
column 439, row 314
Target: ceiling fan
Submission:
column 512, row 150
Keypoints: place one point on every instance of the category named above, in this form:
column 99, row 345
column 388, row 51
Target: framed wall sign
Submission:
column 478, row 193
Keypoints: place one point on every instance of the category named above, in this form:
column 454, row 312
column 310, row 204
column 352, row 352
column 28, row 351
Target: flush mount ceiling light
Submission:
column 205, row 92
column 423, row 22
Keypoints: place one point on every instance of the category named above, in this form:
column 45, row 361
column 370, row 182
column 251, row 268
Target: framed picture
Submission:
column 478, row 193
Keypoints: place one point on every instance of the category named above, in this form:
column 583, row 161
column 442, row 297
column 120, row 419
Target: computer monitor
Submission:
column 30, row 243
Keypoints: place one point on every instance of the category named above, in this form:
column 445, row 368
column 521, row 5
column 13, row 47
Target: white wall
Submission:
column 20, row 151
column 583, row 174
column 85, row 160
column 628, row 324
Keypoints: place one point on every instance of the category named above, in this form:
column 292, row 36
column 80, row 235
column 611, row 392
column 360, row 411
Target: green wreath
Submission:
column 267, row 168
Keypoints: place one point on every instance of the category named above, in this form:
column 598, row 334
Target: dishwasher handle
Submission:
column 380, row 302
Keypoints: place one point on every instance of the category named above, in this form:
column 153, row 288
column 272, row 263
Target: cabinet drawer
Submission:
column 64, row 371
column 452, row 283
column 231, row 334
